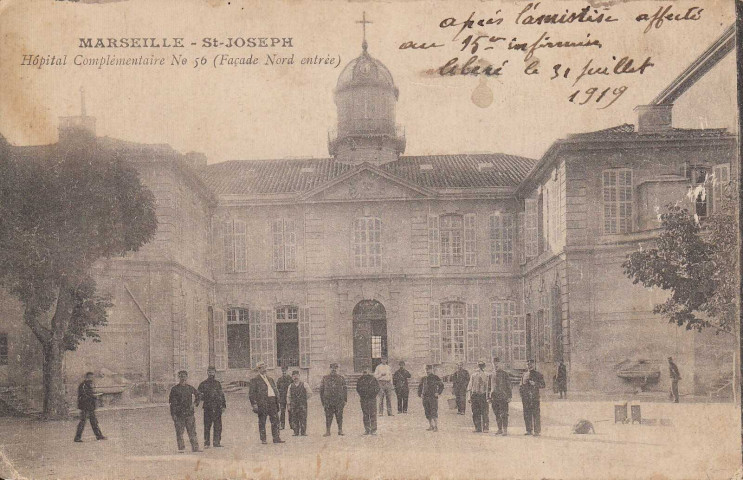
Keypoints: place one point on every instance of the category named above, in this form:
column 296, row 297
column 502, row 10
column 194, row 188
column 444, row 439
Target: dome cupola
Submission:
column 365, row 98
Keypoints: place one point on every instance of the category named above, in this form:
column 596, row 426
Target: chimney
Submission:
column 80, row 126
column 654, row 118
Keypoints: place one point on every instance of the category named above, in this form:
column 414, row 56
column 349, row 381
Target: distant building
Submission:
column 430, row 259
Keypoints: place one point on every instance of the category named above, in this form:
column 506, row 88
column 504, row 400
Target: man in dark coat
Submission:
column 460, row 380
column 214, row 402
column 296, row 398
column 500, row 395
column 531, row 382
column 282, row 384
column 562, row 380
column 368, row 387
column 264, row 398
column 429, row 389
column 86, row 402
column 333, row 396
column 183, row 398
column 402, row 390
column 673, row 372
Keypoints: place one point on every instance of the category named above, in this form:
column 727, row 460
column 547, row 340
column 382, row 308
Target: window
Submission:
column 234, row 234
column 220, row 340
column 451, row 239
column 501, row 239
column 518, row 339
column 287, row 336
column 434, row 333
column 452, row 331
column 473, row 332
column 554, row 214
column 367, row 242
column 720, row 183
column 238, row 338
column 617, row 196
column 470, row 240
column 530, row 227
column 3, row 349
column 697, row 176
column 284, row 245
column 508, row 332
column 262, row 337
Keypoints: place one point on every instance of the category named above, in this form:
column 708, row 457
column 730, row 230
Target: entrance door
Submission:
column 369, row 335
column 287, row 344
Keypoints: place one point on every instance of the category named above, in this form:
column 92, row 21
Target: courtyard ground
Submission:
column 689, row 441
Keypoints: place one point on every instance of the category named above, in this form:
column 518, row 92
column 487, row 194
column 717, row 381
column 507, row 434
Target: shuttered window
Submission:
column 283, row 233
column 434, row 333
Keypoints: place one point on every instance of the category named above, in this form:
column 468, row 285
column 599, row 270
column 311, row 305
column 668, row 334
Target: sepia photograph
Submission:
column 330, row 239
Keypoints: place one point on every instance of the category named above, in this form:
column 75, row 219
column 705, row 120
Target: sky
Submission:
column 266, row 112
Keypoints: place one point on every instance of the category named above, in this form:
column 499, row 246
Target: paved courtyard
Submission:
column 702, row 441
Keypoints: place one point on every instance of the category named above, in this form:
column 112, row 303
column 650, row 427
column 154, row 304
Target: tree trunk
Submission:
column 55, row 402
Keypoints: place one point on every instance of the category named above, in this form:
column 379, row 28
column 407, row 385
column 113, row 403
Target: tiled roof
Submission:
column 267, row 177
column 627, row 131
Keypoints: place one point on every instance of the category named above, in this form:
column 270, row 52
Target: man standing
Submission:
column 460, row 379
column 368, row 387
column 265, row 402
column 296, row 398
column 333, row 396
column 562, row 380
column 383, row 374
column 531, row 382
column 500, row 395
column 673, row 372
column 183, row 398
column 429, row 389
column 402, row 390
column 214, row 402
column 282, row 384
column 86, row 402
column 478, row 389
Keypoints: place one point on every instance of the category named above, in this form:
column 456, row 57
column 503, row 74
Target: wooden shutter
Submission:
column 473, row 332
column 277, row 237
column 241, row 246
column 434, row 333
column 434, row 242
column 220, row 340
column 290, row 245
column 304, row 337
column 522, row 238
column 228, row 246
column 470, row 240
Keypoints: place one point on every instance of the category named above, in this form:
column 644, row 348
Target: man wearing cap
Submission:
column 282, row 384
column 264, row 399
column 429, row 389
column 214, row 402
column 460, row 379
column 402, row 390
column 333, row 396
column 500, row 395
column 183, row 398
column 478, row 389
column 531, row 382
column 296, row 398
column 383, row 374
column 367, row 387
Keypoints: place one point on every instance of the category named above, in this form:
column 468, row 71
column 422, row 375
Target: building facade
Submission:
column 428, row 259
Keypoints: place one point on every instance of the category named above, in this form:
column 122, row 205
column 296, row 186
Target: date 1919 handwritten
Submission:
column 607, row 95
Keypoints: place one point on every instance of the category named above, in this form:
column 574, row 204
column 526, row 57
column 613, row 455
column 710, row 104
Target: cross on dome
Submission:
column 363, row 23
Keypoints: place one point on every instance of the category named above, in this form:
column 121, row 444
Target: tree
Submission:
column 697, row 262
column 60, row 212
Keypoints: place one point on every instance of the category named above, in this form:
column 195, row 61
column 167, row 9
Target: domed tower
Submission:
column 365, row 97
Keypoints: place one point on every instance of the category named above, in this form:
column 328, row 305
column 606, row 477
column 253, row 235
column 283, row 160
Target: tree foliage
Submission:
column 697, row 262
column 61, row 210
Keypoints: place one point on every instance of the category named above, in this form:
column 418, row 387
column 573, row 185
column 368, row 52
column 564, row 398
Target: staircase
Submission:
column 13, row 404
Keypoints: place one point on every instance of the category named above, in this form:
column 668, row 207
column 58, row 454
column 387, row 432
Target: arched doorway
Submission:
column 369, row 334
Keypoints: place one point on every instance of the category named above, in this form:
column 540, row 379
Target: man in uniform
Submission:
column 333, row 396
column 296, row 398
column 673, row 372
column 429, row 389
column 402, row 390
column 264, row 399
column 183, row 398
column 531, row 382
column 500, row 395
column 282, row 384
column 86, row 402
column 460, row 380
column 214, row 402
column 368, row 387
column 383, row 374
column 478, row 389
